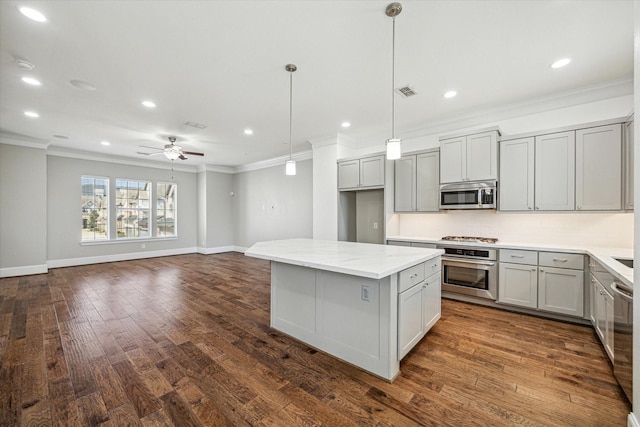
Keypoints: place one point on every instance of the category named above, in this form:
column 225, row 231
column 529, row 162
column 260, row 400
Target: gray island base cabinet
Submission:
column 348, row 299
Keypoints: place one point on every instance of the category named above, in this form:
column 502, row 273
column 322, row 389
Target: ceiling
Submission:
column 221, row 64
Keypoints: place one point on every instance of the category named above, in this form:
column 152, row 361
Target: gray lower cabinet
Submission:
column 417, row 182
column 418, row 303
column 535, row 280
column 518, row 285
column 602, row 305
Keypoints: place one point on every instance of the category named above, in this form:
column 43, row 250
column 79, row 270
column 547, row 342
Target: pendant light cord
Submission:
column 290, row 113
column 393, row 80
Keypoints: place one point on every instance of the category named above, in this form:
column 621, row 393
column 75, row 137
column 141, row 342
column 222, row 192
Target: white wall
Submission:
column 219, row 211
column 23, row 210
column 634, row 417
column 64, row 220
column 612, row 230
column 269, row 205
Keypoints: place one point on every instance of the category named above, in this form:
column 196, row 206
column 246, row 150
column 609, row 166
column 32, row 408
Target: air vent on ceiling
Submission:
column 406, row 91
column 195, row 125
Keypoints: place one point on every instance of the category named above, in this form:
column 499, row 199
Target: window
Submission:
column 132, row 208
column 95, row 208
column 166, row 209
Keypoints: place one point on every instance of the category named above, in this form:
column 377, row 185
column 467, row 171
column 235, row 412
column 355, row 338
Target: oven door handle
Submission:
column 460, row 263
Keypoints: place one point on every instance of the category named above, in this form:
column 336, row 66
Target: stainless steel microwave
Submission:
column 469, row 195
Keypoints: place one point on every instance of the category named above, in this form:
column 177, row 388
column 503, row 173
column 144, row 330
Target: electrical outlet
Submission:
column 375, row 225
column 365, row 291
column 144, row 246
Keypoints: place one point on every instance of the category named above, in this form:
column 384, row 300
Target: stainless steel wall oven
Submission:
column 470, row 270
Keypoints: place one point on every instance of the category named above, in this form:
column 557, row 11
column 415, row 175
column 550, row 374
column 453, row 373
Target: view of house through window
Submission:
column 95, row 208
column 166, row 209
column 132, row 208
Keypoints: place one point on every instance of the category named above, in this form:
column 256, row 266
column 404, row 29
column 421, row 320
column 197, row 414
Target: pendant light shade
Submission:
column 394, row 149
column 290, row 165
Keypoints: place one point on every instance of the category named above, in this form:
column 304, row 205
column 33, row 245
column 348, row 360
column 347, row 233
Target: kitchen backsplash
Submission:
column 584, row 229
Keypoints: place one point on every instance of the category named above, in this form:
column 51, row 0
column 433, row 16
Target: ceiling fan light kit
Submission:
column 171, row 151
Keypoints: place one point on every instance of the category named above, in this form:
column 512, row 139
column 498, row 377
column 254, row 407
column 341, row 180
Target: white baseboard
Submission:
column 56, row 263
column 216, row 250
column 632, row 421
column 23, row 271
column 70, row 262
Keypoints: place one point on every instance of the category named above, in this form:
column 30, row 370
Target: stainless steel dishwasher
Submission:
column 623, row 336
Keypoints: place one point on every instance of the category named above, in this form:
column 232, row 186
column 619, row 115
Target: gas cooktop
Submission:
column 470, row 239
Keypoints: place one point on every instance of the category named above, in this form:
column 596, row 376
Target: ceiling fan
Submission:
column 171, row 151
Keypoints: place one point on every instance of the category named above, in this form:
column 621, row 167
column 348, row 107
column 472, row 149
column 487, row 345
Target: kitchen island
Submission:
column 366, row 304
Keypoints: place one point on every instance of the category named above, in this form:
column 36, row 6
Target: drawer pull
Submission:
column 560, row 260
column 517, row 256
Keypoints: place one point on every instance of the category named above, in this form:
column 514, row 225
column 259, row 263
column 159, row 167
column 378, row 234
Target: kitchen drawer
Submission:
column 398, row 243
column 518, row 257
column 423, row 245
column 432, row 266
column 561, row 260
column 410, row 277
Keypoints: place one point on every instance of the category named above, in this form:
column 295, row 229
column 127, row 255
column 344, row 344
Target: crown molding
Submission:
column 482, row 116
column 214, row 168
column 100, row 157
column 23, row 141
column 278, row 161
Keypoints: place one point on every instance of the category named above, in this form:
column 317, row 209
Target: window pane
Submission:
column 132, row 208
column 94, row 203
column 166, row 209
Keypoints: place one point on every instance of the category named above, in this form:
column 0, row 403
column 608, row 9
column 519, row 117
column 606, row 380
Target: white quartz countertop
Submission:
column 603, row 255
column 358, row 259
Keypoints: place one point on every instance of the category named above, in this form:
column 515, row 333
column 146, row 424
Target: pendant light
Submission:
column 290, row 165
column 393, row 144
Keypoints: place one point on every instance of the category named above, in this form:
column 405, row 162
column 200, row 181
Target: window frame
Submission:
column 174, row 210
column 150, row 209
column 107, row 210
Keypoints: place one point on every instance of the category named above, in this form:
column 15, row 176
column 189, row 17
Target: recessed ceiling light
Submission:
column 149, row 104
column 450, row 94
column 345, row 124
column 560, row 63
column 33, row 14
column 82, row 85
column 31, row 81
column 248, row 132
column 32, row 114
column 105, row 143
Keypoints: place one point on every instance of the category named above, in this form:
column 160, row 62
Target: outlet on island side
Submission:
column 364, row 293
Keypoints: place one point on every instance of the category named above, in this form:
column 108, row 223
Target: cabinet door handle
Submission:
column 530, row 207
column 517, row 256
column 560, row 260
column 537, row 207
column 579, row 207
column 534, row 269
column 541, row 270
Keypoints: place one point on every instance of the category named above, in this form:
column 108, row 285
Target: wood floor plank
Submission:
column 185, row 340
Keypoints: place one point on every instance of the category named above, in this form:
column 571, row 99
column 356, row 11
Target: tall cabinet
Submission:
column 417, row 180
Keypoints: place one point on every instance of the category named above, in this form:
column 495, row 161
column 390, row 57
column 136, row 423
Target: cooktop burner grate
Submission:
column 470, row 239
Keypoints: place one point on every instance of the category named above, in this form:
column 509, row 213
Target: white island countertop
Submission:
column 358, row 259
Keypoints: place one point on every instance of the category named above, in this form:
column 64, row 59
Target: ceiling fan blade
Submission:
column 182, row 157
column 151, row 148
column 193, row 153
column 149, row 154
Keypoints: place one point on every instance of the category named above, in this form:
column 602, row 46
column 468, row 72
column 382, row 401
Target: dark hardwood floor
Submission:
column 185, row 341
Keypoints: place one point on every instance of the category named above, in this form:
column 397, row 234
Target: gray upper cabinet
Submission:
column 517, row 174
column 469, row 158
column 628, row 164
column 599, row 168
column 361, row 174
column 417, row 181
column 555, row 171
